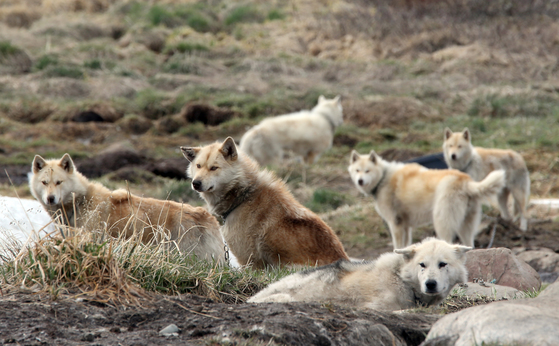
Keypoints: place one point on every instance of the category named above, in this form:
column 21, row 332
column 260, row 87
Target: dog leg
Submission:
column 519, row 197
column 503, row 198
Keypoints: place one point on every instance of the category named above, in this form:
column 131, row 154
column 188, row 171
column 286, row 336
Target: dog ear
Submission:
column 461, row 250
column 466, row 134
column 38, row 164
column 373, row 157
column 190, row 153
column 408, row 252
column 229, row 149
column 321, row 98
column 447, row 133
column 354, row 156
column 67, row 164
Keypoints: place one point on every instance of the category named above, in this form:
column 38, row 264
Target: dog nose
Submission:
column 453, row 156
column 197, row 185
column 431, row 286
column 50, row 199
column 360, row 182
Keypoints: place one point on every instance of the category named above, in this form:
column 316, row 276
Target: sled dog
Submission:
column 305, row 133
column 460, row 154
column 419, row 275
column 263, row 223
column 66, row 193
column 408, row 195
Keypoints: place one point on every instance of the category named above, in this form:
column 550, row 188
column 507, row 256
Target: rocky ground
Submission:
column 120, row 85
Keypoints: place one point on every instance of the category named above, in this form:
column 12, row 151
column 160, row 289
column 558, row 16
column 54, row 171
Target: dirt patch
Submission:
column 206, row 114
column 109, row 162
column 540, row 233
column 35, row 320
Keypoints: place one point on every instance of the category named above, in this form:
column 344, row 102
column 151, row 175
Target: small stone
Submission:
column 88, row 337
column 170, row 330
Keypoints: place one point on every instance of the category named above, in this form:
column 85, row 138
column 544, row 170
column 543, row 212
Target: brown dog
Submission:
column 64, row 191
column 264, row 224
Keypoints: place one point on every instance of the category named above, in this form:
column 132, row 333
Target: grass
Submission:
column 325, row 199
column 45, row 61
column 64, row 71
column 186, row 47
column 7, row 49
column 243, row 14
column 88, row 263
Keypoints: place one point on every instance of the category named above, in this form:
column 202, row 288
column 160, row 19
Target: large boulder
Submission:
column 500, row 266
column 529, row 321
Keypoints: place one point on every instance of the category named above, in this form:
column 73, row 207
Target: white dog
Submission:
column 460, row 154
column 420, row 275
column 409, row 195
column 305, row 133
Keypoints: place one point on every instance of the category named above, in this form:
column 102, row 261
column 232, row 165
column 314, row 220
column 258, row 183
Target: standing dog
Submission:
column 408, row 195
column 460, row 154
column 264, row 224
column 305, row 133
column 66, row 193
column 420, row 275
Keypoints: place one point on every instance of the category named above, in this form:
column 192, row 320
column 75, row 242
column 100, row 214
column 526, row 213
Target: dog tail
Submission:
column 489, row 186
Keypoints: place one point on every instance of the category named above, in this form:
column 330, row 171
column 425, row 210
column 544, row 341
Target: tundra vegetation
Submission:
column 164, row 74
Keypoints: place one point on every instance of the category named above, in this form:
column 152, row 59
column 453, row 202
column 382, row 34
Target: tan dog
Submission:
column 460, row 154
column 420, row 275
column 305, row 133
column 57, row 185
column 409, row 195
column 264, row 224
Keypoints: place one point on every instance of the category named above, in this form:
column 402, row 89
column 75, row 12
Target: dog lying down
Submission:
column 419, row 275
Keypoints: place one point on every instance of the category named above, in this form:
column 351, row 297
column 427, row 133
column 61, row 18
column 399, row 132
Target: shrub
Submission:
column 94, row 64
column 275, row 14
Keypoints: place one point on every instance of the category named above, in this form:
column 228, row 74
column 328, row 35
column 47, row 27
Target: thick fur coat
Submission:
column 264, row 224
column 409, row 195
column 460, row 154
column 69, row 196
column 305, row 133
column 420, row 275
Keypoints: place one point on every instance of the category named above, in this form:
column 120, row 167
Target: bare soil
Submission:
column 27, row 319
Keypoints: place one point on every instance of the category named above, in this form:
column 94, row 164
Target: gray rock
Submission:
column 473, row 289
column 541, row 261
column 500, row 266
column 522, row 321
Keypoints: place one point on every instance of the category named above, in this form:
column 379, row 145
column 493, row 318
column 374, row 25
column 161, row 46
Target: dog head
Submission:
column 211, row 166
column 457, row 147
column 365, row 170
column 332, row 108
column 52, row 180
column 434, row 266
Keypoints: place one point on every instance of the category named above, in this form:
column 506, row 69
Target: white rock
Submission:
column 170, row 330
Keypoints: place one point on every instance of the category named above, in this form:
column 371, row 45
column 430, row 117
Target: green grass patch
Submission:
column 243, row 14
column 94, row 64
column 187, row 47
column 7, row 49
column 275, row 14
column 45, row 61
column 325, row 199
column 64, row 71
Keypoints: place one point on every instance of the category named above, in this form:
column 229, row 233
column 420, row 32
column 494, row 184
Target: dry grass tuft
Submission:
column 87, row 263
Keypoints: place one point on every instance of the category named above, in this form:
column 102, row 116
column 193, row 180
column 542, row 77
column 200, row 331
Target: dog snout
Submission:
column 453, row 156
column 360, row 182
column 431, row 286
column 50, row 199
column 197, row 185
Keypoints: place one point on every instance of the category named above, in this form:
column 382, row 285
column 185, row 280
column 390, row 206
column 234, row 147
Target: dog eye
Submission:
column 442, row 265
column 367, row 171
column 356, row 171
column 58, row 182
column 198, row 165
column 422, row 265
column 459, row 147
column 213, row 168
column 44, row 182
